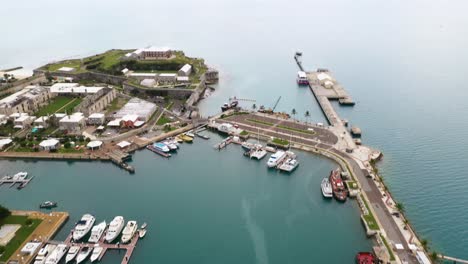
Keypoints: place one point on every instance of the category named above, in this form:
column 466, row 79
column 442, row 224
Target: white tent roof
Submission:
column 96, row 115
column 49, row 142
column 94, row 144
column 323, row 76
column 5, row 141
column 399, row 246
column 114, row 123
column 124, row 144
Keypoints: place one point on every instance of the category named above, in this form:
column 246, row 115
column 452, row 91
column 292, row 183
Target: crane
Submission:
column 276, row 104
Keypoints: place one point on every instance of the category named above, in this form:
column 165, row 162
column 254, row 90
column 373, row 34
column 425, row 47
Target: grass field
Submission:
column 163, row 120
column 61, row 103
column 21, row 235
column 280, row 141
column 76, row 64
column 116, row 104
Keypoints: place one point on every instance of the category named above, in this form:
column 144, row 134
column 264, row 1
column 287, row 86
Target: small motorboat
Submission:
column 141, row 233
column 97, row 250
column 179, row 139
column 48, row 205
column 72, row 252
column 84, row 253
column 190, row 134
column 186, row 138
column 144, row 225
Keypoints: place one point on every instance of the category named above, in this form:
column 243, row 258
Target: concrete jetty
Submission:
column 9, row 180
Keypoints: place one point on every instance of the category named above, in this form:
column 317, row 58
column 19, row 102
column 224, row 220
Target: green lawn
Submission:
column 244, row 133
column 7, row 129
column 55, row 104
column 390, row 251
column 259, row 122
column 280, row 141
column 70, row 150
column 116, row 104
column 163, row 120
column 111, row 58
column 76, row 64
column 371, row 222
column 21, row 235
column 69, row 107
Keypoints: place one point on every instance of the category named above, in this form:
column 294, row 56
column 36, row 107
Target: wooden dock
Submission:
column 129, row 248
column 9, row 180
column 224, row 143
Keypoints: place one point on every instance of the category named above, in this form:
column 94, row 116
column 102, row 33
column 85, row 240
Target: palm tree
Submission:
column 425, row 244
column 307, row 115
column 434, row 256
column 400, row 207
column 254, row 106
column 293, row 112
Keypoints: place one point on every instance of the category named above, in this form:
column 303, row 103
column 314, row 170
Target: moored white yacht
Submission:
column 171, row 145
column 44, row 253
column 115, row 227
column 84, row 253
column 289, row 165
column 327, row 190
column 97, row 250
column 97, row 231
column 276, row 158
column 72, row 252
column 129, row 231
column 57, row 254
column 20, row 176
column 83, row 226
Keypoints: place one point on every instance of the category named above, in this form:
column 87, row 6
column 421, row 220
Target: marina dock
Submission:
column 12, row 181
column 129, row 248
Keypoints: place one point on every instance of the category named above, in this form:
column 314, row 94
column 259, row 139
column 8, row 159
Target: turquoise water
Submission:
column 204, row 206
column 403, row 62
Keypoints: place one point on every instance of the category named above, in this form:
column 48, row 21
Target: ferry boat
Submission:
column 115, row 227
column 97, row 231
column 338, row 187
column 48, row 205
column 84, row 253
column 276, row 158
column 97, row 250
column 161, row 147
column 290, row 165
column 83, row 226
column 72, row 252
column 365, row 258
column 57, row 254
column 44, row 253
column 302, row 78
column 327, row 190
column 129, row 231
column 229, row 105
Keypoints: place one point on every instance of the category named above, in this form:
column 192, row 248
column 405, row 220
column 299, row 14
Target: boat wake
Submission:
column 256, row 233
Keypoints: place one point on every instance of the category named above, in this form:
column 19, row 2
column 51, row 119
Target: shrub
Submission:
column 4, row 212
column 67, row 145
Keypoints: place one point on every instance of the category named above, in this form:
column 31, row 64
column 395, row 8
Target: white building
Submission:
column 28, row 100
column 150, row 53
column 185, row 70
column 96, row 119
column 225, row 128
column 72, row 88
column 93, row 145
column 135, row 106
column 167, row 77
column 183, row 79
column 142, row 75
column 23, row 121
column 49, row 144
column 41, row 122
column 73, row 123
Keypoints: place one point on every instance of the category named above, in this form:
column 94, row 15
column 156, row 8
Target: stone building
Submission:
column 28, row 100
